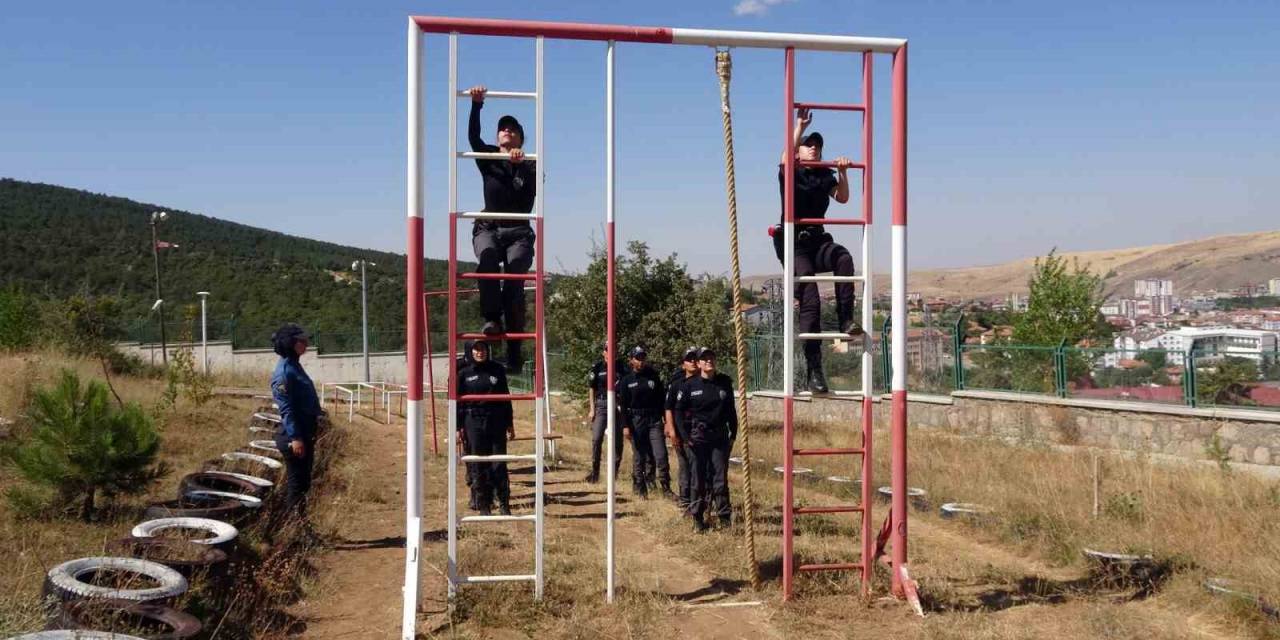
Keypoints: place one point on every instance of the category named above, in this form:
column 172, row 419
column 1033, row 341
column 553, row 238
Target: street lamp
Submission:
column 204, row 331
column 364, row 313
column 156, row 218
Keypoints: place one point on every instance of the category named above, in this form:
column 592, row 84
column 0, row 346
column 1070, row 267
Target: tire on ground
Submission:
column 183, row 556
column 224, row 481
column 222, row 534
column 207, row 507
column 66, row 581
column 74, row 635
column 169, row 623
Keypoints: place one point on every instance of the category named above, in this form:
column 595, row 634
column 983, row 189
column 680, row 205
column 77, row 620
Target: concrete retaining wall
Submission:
column 323, row 367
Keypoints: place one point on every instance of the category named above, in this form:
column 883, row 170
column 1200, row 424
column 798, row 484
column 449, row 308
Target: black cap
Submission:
column 284, row 338
column 478, row 344
column 814, row 139
column 509, row 121
column 706, row 353
column 638, row 352
column 690, row 355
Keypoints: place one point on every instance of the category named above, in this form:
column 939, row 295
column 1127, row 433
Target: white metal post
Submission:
column 541, row 398
column 413, row 420
column 451, row 438
column 609, row 203
column 364, row 318
column 204, row 331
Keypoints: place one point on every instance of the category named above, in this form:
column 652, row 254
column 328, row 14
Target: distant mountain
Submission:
column 57, row 241
column 1220, row 262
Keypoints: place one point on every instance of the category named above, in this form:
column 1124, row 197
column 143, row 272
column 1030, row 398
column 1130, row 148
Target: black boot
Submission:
column 851, row 327
column 817, row 382
column 593, row 477
column 504, row 506
column 492, row 328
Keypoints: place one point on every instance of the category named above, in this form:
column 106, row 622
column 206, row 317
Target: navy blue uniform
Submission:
column 598, row 383
column 300, row 413
column 816, row 252
column 483, row 427
column 712, row 424
column 683, row 454
column 503, row 246
column 641, row 398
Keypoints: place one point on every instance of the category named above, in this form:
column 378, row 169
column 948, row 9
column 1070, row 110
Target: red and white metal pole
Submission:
column 610, row 357
column 788, row 318
column 898, row 428
column 413, row 308
column 868, row 319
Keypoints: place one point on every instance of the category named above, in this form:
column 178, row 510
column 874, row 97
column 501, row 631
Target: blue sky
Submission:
column 1033, row 125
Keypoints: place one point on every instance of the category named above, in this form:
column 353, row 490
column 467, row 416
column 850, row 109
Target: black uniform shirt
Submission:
column 813, row 193
column 674, row 384
column 598, row 379
column 480, row 378
column 509, row 187
column 710, row 401
column 641, row 391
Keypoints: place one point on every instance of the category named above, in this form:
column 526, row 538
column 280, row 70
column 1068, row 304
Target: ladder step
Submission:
column 830, row 278
column 498, row 336
column 832, row 221
column 825, row 335
column 830, row 106
column 835, row 393
column 514, row 95
column 496, row 215
column 825, row 164
column 488, row 397
column 834, row 566
column 850, row 451
column 529, row 518
column 834, row 509
column 531, row 457
column 492, row 155
column 508, row 578
column 498, row 276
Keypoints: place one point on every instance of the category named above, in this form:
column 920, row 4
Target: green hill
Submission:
column 56, row 242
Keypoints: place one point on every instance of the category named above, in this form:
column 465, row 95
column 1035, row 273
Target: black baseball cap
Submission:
column 690, row 355
column 509, row 122
column 812, row 140
column 706, row 353
column 639, row 353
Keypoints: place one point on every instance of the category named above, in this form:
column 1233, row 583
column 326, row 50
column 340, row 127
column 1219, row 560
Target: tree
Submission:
column 80, row 446
column 1062, row 308
column 19, row 319
column 1228, row 382
column 658, row 305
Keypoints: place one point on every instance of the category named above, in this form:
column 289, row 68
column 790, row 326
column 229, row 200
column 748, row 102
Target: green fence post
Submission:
column 957, row 342
column 1189, row 378
column 1060, row 368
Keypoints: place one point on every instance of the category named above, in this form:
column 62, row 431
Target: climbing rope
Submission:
column 724, row 68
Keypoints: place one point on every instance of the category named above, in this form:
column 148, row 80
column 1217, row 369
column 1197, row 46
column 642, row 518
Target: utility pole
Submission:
column 364, row 313
column 156, row 218
column 204, row 331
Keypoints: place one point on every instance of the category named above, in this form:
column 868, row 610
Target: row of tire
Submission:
column 213, row 502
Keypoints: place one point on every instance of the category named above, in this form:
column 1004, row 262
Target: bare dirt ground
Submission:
column 667, row 575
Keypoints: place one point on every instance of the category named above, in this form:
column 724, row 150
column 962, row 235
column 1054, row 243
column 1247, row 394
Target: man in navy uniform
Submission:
column 712, row 426
column 640, row 396
column 300, row 414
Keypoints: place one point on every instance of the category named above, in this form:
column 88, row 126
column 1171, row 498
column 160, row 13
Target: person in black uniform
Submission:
column 640, row 401
column 484, row 427
column 712, row 426
column 300, row 414
column 598, row 383
column 815, row 250
column 675, row 424
column 503, row 245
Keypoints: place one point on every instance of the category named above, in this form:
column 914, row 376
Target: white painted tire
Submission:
column 222, row 532
column 735, row 460
column 970, row 510
column 265, row 445
column 244, row 500
column 256, row 429
column 253, row 457
column 912, row 492
column 78, row 634
column 795, row 471
column 64, row 579
column 841, row 479
column 268, row 417
column 254, row 480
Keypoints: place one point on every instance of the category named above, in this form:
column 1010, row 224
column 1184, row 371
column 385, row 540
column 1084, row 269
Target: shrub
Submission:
column 80, row 447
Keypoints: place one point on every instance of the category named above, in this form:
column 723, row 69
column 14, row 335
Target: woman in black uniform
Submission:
column 815, row 250
column 503, row 246
column 484, row 427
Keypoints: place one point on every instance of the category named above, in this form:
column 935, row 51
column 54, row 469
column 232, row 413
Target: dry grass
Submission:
column 271, row 567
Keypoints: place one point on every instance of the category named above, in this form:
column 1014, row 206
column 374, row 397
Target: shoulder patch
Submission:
column 652, row 385
column 493, row 379
column 281, row 388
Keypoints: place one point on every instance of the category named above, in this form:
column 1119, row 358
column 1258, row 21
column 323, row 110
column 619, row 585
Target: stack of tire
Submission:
column 136, row 588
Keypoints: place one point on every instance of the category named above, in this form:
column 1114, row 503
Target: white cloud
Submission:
column 755, row 7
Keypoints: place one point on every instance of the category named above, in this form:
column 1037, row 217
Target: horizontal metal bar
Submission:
column 834, row 566
column 833, row 509
column 831, row 106
column 515, row 95
column 507, row 457
column 492, row 155
column 830, row 278
column 528, row 518
column 498, row 336
column 824, row 335
column 481, row 579
column 849, row 451
column 488, row 397
column 549, row 436
column 497, row 276
column 828, row 164
column 839, row 393
column 833, row 221
column 496, row 215
column 769, row 40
